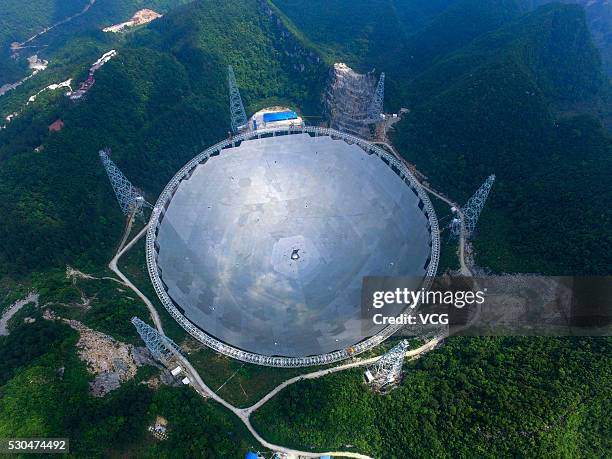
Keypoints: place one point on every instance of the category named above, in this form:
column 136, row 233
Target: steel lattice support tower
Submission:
column 130, row 199
column 387, row 371
column 472, row 209
column 161, row 347
column 376, row 106
column 237, row 113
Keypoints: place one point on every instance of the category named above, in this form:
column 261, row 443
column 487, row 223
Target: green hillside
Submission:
column 483, row 82
column 474, row 397
column 161, row 100
column 456, row 27
column 45, row 393
column 18, row 24
column 494, row 90
column 348, row 31
column 155, row 108
column 599, row 18
column 548, row 45
column 269, row 63
column 490, row 109
column 389, row 35
column 413, row 15
column 490, row 88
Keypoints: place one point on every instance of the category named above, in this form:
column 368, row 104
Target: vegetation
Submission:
column 47, row 395
column 155, row 108
column 487, row 94
column 102, row 304
column 399, row 37
column 346, row 30
column 540, row 217
column 494, row 90
column 26, row 343
column 474, row 397
column 18, row 24
column 169, row 100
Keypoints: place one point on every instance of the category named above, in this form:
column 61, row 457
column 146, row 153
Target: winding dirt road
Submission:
column 14, row 309
column 23, row 44
column 113, row 267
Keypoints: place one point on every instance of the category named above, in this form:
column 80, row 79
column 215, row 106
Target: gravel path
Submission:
column 14, row 309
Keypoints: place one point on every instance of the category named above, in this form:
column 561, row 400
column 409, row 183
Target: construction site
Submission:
column 141, row 17
column 88, row 83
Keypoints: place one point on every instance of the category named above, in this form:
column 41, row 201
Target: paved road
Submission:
column 14, row 309
column 245, row 413
column 113, row 267
column 415, row 353
column 126, row 232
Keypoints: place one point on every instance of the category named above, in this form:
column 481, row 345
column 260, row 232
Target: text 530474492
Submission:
column 33, row 445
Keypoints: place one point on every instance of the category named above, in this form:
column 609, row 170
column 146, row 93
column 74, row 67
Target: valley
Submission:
column 516, row 89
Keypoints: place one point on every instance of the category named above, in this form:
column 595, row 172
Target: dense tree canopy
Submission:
column 490, row 90
column 484, row 397
column 156, row 107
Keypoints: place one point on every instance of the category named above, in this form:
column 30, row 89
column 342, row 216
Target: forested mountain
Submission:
column 359, row 31
column 493, row 88
column 599, row 17
column 510, row 87
column 389, row 37
column 155, row 107
column 552, row 46
column 73, row 19
column 475, row 397
column 492, row 108
column 18, row 24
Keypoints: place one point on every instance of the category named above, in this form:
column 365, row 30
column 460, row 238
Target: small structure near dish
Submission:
column 160, row 428
column 176, row 371
column 275, row 117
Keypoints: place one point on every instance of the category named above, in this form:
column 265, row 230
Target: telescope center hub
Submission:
column 294, row 256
